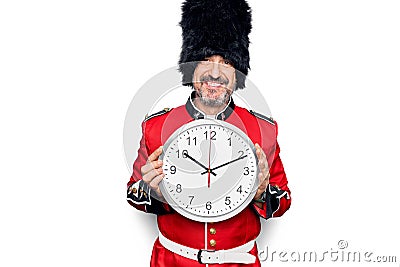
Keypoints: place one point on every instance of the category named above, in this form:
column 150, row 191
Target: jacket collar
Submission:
column 195, row 113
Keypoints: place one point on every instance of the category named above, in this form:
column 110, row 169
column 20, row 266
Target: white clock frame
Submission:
column 202, row 215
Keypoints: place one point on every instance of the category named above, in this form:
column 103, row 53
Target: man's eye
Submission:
column 228, row 62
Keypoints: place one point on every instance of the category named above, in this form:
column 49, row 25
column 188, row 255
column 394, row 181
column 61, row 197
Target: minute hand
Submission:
column 198, row 163
column 229, row 162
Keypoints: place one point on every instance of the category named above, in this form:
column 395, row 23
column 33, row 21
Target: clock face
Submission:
column 210, row 170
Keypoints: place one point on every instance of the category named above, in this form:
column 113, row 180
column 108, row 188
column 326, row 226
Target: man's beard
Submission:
column 213, row 102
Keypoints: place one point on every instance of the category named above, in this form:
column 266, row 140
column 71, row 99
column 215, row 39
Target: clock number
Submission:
column 230, row 141
column 194, row 140
column 239, row 189
column 178, row 188
column 241, row 153
column 208, row 205
column 184, row 153
column 191, row 199
column 246, row 171
column 172, row 169
column 212, row 135
column 227, row 200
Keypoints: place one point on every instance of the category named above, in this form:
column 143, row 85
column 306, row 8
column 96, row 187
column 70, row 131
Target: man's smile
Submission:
column 213, row 84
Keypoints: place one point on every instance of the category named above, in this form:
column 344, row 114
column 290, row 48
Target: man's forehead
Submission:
column 215, row 56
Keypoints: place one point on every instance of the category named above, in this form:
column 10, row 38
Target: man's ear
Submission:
column 240, row 79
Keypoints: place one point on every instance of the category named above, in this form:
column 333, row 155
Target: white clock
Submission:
column 210, row 170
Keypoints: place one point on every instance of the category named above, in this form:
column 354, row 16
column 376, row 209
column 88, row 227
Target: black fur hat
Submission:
column 215, row 27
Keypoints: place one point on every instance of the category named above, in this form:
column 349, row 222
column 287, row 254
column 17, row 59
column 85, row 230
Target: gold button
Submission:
column 134, row 190
column 213, row 242
column 213, row 231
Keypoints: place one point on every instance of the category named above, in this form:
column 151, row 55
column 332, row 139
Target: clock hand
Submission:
column 209, row 164
column 198, row 163
column 229, row 162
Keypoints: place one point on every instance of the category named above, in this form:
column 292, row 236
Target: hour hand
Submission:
column 186, row 154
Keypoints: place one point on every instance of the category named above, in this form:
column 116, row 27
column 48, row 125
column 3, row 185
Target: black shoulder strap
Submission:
column 263, row 117
column 165, row 110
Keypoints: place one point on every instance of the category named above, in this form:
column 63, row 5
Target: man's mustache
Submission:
column 209, row 78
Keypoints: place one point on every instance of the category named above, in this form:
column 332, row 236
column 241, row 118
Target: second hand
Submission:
column 209, row 165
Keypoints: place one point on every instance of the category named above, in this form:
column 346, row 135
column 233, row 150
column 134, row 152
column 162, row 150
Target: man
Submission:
column 215, row 38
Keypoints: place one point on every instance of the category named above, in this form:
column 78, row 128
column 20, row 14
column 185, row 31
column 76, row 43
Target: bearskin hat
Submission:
column 215, row 27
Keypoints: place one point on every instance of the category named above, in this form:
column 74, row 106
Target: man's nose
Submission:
column 215, row 70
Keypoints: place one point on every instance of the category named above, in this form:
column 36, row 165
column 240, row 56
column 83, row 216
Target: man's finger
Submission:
column 154, row 156
column 260, row 153
column 263, row 182
column 263, row 165
column 257, row 146
column 155, row 182
column 150, row 166
column 148, row 177
column 262, row 178
column 262, row 159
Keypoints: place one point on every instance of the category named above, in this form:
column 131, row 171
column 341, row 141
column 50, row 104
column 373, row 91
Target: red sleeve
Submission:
column 141, row 159
column 138, row 192
column 278, row 199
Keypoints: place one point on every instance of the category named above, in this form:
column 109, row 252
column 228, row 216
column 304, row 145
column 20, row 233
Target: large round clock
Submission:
column 210, row 170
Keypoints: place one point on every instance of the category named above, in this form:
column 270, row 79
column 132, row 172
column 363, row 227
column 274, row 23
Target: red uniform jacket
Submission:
column 227, row 234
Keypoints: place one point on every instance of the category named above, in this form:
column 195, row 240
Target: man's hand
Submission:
column 152, row 172
column 263, row 175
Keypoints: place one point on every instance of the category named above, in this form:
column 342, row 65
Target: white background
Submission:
column 69, row 69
